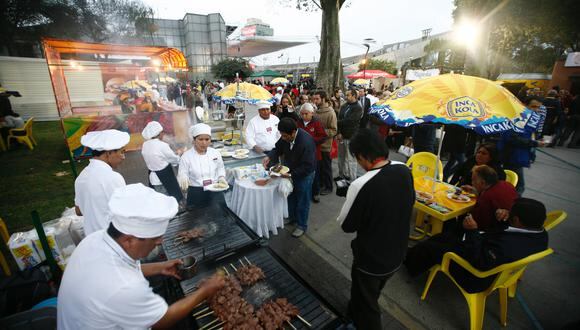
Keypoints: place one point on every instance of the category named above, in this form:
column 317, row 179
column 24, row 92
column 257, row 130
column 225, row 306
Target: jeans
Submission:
column 316, row 183
column 455, row 160
column 424, row 138
column 325, row 170
column 347, row 165
column 299, row 200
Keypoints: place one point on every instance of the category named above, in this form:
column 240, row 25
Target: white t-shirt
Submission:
column 157, row 155
column 263, row 132
column 199, row 168
column 93, row 189
column 104, row 288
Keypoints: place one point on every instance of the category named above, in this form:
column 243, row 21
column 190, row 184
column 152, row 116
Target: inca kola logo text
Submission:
column 465, row 106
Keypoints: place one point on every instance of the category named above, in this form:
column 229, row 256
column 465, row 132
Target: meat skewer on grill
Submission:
column 274, row 314
column 249, row 275
column 187, row 235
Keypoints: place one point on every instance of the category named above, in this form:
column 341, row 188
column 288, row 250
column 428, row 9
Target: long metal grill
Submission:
column 223, row 232
column 280, row 282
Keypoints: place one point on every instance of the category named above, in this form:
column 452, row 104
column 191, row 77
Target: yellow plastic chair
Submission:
column 23, row 135
column 423, row 164
column 553, row 218
column 506, row 275
column 511, row 177
column 5, row 237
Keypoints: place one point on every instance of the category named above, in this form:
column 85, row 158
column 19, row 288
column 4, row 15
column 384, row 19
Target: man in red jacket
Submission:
column 493, row 195
column 314, row 127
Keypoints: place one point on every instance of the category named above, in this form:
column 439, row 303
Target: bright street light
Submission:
column 467, row 33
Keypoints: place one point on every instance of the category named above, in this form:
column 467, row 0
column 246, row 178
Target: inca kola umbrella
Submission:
column 472, row 102
column 279, row 80
column 244, row 92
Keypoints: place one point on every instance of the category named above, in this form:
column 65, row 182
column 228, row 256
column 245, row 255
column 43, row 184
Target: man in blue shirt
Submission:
column 299, row 153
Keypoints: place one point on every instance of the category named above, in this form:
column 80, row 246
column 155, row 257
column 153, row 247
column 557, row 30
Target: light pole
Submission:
column 367, row 43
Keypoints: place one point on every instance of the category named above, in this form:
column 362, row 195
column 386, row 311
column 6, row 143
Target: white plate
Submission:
column 227, row 154
column 241, row 152
column 240, row 157
column 212, row 187
column 462, row 198
column 284, row 170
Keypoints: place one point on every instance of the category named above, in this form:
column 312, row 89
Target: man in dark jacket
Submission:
column 485, row 250
column 365, row 104
column 348, row 124
column 299, row 151
column 378, row 207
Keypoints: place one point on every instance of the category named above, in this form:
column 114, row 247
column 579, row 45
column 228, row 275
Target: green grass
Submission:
column 28, row 181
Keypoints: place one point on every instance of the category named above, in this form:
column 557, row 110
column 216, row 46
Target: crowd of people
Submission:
column 306, row 129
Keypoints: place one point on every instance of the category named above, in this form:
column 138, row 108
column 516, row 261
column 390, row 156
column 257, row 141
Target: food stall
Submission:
column 130, row 99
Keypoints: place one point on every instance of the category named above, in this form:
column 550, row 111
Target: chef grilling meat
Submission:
column 104, row 284
column 199, row 167
column 159, row 159
column 96, row 183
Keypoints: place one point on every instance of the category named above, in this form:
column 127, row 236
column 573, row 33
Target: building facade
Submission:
column 201, row 38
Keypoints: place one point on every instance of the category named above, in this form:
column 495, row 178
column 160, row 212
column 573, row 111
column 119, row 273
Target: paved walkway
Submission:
column 548, row 296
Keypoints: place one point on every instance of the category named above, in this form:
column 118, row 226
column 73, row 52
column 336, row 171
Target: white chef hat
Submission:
column 307, row 107
column 279, row 88
column 141, row 211
column 199, row 129
column 152, row 129
column 263, row 105
column 110, row 139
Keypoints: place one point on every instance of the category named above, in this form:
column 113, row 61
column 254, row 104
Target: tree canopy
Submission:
column 376, row 64
column 26, row 21
column 227, row 69
column 524, row 35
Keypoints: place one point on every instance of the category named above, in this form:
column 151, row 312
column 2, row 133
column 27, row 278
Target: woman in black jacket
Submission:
column 486, row 154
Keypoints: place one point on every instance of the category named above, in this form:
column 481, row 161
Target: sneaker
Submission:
column 316, row 199
column 298, row 232
column 325, row 192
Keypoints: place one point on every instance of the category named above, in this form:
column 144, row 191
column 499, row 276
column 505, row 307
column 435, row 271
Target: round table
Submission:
column 262, row 208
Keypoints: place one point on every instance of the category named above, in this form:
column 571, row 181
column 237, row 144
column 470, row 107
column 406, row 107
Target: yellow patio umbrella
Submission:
column 361, row 82
column 244, row 92
column 472, row 102
column 279, row 80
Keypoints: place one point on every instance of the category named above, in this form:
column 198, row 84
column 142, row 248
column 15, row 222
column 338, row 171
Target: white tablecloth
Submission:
column 262, row 208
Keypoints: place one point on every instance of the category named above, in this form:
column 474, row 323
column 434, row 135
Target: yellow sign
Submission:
column 465, row 106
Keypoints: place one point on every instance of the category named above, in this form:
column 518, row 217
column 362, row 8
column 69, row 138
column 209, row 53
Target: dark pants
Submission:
column 300, row 199
column 325, row 170
column 167, row 177
column 363, row 307
column 424, row 138
column 196, row 197
column 455, row 160
column 316, row 183
column 572, row 128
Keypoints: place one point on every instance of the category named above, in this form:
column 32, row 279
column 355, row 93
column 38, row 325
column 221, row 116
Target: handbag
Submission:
column 334, row 149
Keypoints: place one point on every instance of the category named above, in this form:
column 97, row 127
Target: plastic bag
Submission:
column 285, row 187
column 334, row 149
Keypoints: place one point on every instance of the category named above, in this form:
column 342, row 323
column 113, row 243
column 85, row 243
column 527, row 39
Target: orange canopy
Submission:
column 169, row 56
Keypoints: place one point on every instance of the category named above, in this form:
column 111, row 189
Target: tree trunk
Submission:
column 329, row 73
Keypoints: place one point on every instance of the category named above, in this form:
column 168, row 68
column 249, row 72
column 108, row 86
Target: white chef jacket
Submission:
column 93, row 189
column 104, row 288
column 263, row 132
column 157, row 155
column 198, row 168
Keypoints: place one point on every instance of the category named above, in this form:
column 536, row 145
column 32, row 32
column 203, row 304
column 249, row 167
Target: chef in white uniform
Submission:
column 104, row 284
column 262, row 131
column 201, row 167
column 96, row 183
column 159, row 159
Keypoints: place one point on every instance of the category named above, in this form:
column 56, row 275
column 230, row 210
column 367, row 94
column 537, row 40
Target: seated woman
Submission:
column 199, row 167
column 486, row 154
